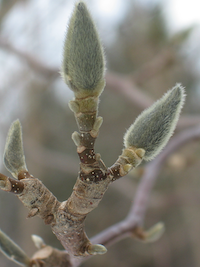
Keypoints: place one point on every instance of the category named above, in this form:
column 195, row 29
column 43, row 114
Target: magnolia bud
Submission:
column 14, row 159
column 155, row 125
column 83, row 61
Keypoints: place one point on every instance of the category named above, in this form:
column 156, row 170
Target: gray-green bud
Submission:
column 14, row 158
column 83, row 60
column 155, row 125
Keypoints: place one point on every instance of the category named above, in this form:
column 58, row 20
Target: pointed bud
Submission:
column 155, row 232
column 155, row 125
column 83, row 61
column 150, row 235
column 14, row 159
column 11, row 250
column 96, row 249
column 38, row 241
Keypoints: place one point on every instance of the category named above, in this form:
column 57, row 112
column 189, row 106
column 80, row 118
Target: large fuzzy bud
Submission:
column 14, row 158
column 155, row 125
column 83, row 62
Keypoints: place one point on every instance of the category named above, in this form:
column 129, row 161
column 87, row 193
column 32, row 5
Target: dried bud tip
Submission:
column 14, row 159
column 83, row 59
column 3, row 181
column 155, row 125
column 38, row 241
column 3, row 177
column 96, row 249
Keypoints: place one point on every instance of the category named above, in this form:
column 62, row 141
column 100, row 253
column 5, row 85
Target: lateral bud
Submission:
column 76, row 138
column 14, row 158
column 133, row 156
column 97, row 124
column 96, row 249
column 155, row 232
column 150, row 235
column 155, row 125
column 38, row 241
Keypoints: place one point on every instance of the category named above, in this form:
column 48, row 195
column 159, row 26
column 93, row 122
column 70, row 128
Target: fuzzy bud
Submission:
column 155, row 125
column 83, row 60
column 14, row 159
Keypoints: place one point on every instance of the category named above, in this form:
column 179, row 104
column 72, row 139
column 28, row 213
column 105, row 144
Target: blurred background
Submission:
column 150, row 45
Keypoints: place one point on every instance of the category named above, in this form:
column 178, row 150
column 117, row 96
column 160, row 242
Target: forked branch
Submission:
column 83, row 70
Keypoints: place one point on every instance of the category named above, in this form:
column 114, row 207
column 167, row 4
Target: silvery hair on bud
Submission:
column 14, row 158
column 155, row 125
column 83, row 59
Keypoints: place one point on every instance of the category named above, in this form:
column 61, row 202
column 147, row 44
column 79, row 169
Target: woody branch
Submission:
column 83, row 71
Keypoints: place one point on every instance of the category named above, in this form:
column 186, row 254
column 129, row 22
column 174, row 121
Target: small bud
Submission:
column 155, row 232
column 83, row 60
column 127, row 168
column 73, row 105
column 150, row 235
column 13, row 251
column 155, row 125
column 76, row 138
column 96, row 249
column 97, row 124
column 14, row 159
column 38, row 241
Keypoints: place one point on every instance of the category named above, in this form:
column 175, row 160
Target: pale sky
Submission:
column 182, row 13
